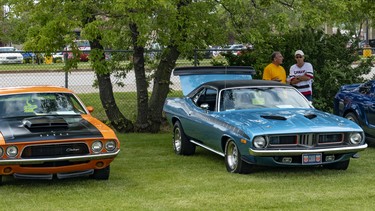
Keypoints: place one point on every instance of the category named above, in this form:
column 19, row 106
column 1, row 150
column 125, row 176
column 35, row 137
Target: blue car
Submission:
column 357, row 103
column 256, row 122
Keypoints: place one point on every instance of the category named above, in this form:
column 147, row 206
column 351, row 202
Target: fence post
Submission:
column 66, row 72
column 195, row 58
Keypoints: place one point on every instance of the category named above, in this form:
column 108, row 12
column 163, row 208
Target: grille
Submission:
column 306, row 139
column 55, row 150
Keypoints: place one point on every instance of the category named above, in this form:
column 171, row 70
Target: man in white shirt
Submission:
column 301, row 75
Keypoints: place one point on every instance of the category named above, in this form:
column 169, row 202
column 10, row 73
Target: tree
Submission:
column 177, row 25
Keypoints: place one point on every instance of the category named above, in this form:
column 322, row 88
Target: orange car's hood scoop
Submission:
column 45, row 122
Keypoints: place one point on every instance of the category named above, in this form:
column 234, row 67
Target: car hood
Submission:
column 10, row 54
column 281, row 121
column 349, row 87
column 47, row 128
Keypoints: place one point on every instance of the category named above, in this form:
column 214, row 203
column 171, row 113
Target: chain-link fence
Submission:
column 38, row 69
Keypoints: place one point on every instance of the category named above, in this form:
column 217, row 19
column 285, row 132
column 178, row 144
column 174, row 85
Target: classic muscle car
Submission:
column 357, row 103
column 256, row 122
column 47, row 131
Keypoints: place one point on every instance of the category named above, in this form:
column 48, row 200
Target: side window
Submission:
column 365, row 88
column 206, row 96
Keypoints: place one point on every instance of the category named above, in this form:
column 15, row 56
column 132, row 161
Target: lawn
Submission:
column 147, row 175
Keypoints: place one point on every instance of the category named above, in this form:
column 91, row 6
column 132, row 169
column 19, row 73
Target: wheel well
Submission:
column 349, row 111
column 224, row 140
column 174, row 120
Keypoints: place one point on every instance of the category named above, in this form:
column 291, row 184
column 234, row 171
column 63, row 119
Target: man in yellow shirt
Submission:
column 274, row 71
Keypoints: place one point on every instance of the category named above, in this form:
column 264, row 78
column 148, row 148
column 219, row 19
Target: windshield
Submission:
column 10, row 49
column 36, row 104
column 261, row 97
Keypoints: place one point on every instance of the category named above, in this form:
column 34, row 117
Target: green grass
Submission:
column 147, row 175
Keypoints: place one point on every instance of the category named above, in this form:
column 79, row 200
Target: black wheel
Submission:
column 342, row 165
column 233, row 160
column 1, row 179
column 101, row 174
column 352, row 117
column 181, row 144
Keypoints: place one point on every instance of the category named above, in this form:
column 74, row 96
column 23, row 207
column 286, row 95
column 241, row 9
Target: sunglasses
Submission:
column 297, row 57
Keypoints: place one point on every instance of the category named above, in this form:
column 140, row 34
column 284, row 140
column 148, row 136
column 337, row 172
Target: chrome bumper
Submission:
column 70, row 158
column 291, row 152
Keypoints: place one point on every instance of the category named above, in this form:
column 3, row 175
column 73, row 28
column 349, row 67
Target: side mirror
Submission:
column 90, row 109
column 205, row 106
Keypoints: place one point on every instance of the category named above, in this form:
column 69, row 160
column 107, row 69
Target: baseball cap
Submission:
column 299, row 52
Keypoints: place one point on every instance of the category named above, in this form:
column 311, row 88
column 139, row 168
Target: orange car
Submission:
column 47, row 131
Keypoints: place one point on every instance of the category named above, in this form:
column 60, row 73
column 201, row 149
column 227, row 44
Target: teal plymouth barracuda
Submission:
column 256, row 122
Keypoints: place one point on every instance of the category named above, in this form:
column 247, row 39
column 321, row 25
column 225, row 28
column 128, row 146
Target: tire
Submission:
column 233, row 161
column 1, row 179
column 101, row 174
column 342, row 165
column 181, row 144
column 352, row 117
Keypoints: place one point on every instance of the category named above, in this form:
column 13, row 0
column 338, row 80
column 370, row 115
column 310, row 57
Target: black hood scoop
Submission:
column 274, row 117
column 35, row 124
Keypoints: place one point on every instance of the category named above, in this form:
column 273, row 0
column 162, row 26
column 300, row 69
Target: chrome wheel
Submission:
column 232, row 156
column 177, row 140
column 181, row 143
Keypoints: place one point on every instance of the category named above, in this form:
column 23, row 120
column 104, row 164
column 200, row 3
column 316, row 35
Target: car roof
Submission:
column 32, row 89
column 242, row 83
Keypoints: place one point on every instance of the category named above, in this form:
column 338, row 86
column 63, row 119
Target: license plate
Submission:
column 312, row 158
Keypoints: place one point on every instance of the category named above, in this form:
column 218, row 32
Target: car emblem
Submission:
column 72, row 149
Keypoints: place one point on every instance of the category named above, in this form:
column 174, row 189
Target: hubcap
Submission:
column 232, row 155
column 177, row 139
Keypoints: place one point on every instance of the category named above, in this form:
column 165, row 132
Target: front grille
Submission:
column 55, row 150
column 307, row 140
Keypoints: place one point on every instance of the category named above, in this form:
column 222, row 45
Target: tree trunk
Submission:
column 116, row 118
column 161, row 87
column 140, row 80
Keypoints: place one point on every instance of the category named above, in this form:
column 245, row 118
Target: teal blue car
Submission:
column 256, row 122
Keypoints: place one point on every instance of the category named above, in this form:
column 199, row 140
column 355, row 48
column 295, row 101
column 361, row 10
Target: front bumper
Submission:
column 70, row 159
column 291, row 152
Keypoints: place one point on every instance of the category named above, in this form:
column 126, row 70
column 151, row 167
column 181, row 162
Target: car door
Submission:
column 367, row 91
column 201, row 123
column 370, row 111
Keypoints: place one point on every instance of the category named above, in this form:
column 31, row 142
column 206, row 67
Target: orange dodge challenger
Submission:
column 47, row 131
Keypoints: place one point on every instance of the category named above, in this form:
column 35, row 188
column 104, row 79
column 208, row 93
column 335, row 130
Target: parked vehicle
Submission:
column 47, row 132
column 256, row 122
column 356, row 102
column 84, row 50
column 9, row 55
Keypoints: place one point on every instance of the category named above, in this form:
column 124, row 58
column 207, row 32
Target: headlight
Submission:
column 1, row 152
column 260, row 142
column 97, row 146
column 355, row 138
column 12, row 151
column 110, row 145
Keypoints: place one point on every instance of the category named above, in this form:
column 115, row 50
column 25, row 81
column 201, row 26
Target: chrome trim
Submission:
column 281, row 152
column 72, row 158
column 203, row 146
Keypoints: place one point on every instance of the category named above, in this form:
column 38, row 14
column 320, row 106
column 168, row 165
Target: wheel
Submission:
column 181, row 144
column 101, row 174
column 233, row 160
column 342, row 165
column 352, row 117
column 1, row 179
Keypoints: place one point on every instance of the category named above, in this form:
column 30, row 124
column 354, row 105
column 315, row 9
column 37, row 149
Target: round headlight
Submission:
column 97, row 146
column 110, row 145
column 355, row 138
column 12, row 151
column 1, row 152
column 260, row 142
